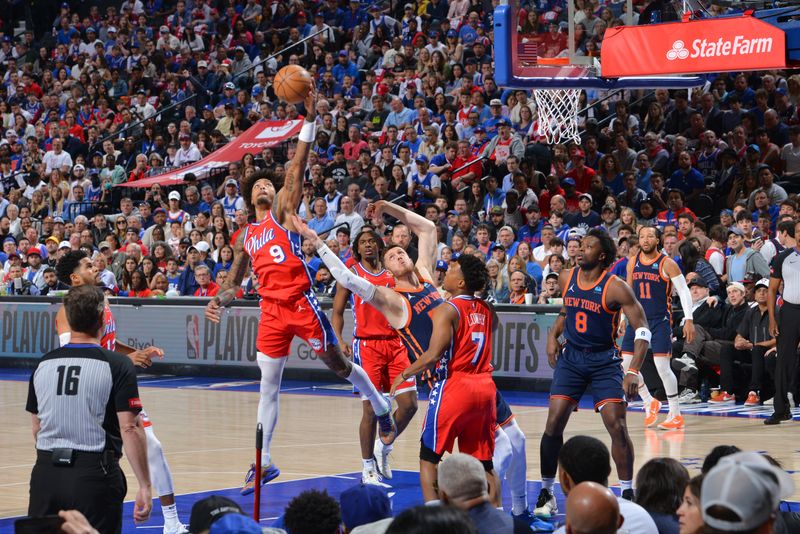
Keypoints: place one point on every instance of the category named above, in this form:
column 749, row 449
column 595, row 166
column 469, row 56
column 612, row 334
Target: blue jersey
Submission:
column 591, row 324
column 653, row 288
column 418, row 330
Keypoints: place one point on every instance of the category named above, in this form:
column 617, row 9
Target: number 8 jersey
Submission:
column 590, row 324
column 277, row 260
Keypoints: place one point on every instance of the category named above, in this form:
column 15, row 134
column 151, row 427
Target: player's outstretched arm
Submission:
column 231, row 286
column 621, row 294
column 674, row 272
column 419, row 225
column 445, row 322
column 288, row 198
column 385, row 300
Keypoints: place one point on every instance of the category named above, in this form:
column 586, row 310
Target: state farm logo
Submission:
column 703, row 48
column 679, row 51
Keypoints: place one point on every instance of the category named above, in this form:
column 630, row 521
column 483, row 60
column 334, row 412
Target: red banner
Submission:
column 694, row 47
column 259, row 136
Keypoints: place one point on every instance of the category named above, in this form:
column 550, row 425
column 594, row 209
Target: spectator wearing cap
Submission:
column 34, row 273
column 423, row 185
column 188, row 151
column 743, row 261
column 585, row 218
column 743, row 493
column 188, row 284
column 175, row 213
column 345, row 67
column 495, row 117
column 580, row 172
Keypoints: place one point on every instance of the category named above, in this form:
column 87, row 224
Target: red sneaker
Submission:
column 723, row 396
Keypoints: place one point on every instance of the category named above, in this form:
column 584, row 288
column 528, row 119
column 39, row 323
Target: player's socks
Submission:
column 625, row 484
column 369, row 465
column 519, row 504
column 172, row 524
column 670, row 385
column 674, row 406
column 548, row 483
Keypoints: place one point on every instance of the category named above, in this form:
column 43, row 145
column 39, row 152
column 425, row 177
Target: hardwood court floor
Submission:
column 208, row 436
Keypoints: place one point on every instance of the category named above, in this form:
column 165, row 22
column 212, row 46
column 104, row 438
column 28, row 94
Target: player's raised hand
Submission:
column 302, row 228
column 378, row 208
column 213, row 311
column 310, row 103
column 144, row 357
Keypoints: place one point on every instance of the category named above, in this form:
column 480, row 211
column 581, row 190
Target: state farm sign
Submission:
column 718, row 45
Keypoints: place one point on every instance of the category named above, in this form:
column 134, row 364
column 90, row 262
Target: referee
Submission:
column 785, row 268
column 84, row 402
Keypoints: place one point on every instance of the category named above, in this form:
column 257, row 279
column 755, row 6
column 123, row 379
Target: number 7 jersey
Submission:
column 277, row 257
column 471, row 348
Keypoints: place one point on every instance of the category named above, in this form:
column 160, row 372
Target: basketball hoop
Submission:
column 557, row 109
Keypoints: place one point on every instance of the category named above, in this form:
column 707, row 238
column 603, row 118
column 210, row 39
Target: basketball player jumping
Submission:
column 378, row 349
column 463, row 402
column 408, row 307
column 289, row 307
column 75, row 269
column 652, row 275
column 593, row 299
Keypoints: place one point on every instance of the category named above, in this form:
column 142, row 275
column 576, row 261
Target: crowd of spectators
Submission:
column 408, row 112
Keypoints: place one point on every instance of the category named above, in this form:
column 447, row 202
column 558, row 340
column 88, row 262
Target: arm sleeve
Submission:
column 684, row 295
column 360, row 286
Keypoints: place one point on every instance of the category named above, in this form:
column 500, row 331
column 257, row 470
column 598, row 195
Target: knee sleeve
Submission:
column 269, row 399
column 160, row 475
column 667, row 376
column 503, row 452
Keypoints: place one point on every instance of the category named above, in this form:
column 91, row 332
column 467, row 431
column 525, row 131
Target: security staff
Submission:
column 785, row 268
column 84, row 402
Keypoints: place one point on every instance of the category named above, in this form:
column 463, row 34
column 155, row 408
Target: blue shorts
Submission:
column 577, row 369
column 660, row 342
column 504, row 413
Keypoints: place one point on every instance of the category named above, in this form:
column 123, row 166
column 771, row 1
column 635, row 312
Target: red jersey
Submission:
column 471, row 349
column 369, row 323
column 210, row 290
column 109, row 339
column 277, row 259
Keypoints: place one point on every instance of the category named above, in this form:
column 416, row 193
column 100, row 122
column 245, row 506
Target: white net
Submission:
column 557, row 111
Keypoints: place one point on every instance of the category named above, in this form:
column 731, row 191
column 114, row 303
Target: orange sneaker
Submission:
column 674, row 423
column 723, row 397
column 651, row 414
column 752, row 399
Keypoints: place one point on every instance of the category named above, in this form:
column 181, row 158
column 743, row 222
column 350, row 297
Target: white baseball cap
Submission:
column 174, row 196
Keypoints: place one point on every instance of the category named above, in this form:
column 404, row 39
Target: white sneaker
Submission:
column 687, row 363
column 546, row 505
column 791, row 401
column 689, row 396
column 382, row 459
column 177, row 528
column 769, row 402
column 371, row 476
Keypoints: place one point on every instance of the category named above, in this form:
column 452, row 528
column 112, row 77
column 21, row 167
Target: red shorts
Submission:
column 383, row 360
column 282, row 321
column 462, row 406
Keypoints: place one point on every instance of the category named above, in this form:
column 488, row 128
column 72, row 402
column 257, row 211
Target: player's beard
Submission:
column 263, row 202
column 588, row 265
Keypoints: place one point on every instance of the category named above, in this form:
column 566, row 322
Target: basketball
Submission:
column 292, row 84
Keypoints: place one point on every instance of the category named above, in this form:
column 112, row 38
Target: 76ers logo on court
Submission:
column 315, row 343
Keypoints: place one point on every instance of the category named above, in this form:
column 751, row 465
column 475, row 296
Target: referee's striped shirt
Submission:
column 76, row 391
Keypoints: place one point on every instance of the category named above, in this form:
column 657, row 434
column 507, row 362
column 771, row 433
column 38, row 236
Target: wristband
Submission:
column 308, row 132
column 633, row 372
column 643, row 334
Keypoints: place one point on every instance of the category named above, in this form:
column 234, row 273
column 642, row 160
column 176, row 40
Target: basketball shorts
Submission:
column 504, row 414
column 462, row 407
column 281, row 321
column 660, row 342
column 383, row 360
column 577, row 370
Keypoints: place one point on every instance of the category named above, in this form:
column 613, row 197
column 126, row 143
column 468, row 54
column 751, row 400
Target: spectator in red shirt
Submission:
column 203, row 276
column 580, row 172
column 353, row 147
column 466, row 176
column 552, row 188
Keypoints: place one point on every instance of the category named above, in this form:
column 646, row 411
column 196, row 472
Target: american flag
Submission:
column 528, row 52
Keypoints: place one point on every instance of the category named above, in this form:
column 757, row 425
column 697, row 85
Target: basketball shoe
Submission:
column 673, row 423
column 387, row 429
column 382, row 453
column 267, row 473
column 546, row 505
column 651, row 414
